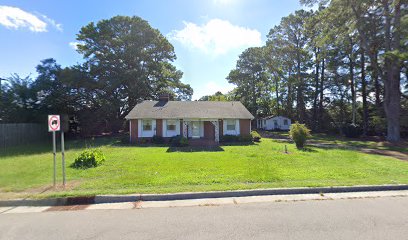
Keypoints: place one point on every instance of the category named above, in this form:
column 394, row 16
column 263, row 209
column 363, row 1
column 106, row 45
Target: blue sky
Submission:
column 207, row 35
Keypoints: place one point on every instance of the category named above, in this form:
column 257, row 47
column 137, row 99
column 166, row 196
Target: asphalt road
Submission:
column 370, row 218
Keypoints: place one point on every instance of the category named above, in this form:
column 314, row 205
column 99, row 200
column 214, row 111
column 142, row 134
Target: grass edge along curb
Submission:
column 195, row 195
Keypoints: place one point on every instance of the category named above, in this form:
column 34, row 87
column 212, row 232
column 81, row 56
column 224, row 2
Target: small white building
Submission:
column 274, row 123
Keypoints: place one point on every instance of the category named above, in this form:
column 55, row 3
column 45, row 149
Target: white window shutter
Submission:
column 139, row 127
column 164, row 128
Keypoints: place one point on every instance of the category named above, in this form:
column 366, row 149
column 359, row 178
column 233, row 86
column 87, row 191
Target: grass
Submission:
column 351, row 143
column 25, row 171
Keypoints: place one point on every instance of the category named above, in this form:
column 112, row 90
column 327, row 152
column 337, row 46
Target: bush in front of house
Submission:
column 88, row 159
column 183, row 142
column 352, row 130
column 244, row 138
column 236, row 138
column 157, row 139
column 256, row 137
column 229, row 138
column 178, row 141
column 299, row 134
column 124, row 139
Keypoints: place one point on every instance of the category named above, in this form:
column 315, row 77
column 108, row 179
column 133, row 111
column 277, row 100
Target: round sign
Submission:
column 54, row 123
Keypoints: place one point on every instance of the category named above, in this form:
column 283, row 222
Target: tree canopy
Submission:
column 126, row 61
column 344, row 63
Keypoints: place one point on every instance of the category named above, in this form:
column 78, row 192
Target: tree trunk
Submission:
column 300, row 104
column 289, row 97
column 277, row 95
column 364, row 93
column 321, row 89
column 374, row 76
column 392, row 96
column 351, row 81
column 316, row 93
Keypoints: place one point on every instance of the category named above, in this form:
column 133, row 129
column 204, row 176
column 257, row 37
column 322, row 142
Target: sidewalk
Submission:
column 205, row 202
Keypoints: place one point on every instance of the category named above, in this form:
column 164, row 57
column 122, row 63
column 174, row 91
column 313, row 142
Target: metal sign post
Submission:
column 54, row 125
column 54, row 152
column 63, row 157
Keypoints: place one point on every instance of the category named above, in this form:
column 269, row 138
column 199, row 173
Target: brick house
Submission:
column 192, row 119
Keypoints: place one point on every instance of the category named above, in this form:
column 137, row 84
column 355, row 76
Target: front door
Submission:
column 195, row 129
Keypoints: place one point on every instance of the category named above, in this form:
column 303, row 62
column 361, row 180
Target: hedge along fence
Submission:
column 14, row 134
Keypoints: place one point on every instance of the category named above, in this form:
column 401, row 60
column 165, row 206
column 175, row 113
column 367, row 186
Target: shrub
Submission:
column 352, row 130
column 178, row 141
column 256, row 137
column 299, row 134
column 88, row 159
column 157, row 139
column 124, row 139
column 183, row 142
column 229, row 138
column 245, row 138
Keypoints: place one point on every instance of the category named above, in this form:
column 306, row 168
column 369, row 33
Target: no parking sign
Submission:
column 54, row 123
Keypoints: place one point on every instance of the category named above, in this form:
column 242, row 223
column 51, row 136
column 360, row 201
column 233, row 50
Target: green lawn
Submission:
column 131, row 169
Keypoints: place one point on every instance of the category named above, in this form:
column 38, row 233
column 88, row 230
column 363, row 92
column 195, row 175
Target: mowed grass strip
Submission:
column 155, row 169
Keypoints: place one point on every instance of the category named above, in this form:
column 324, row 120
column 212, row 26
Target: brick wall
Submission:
column 209, row 130
column 244, row 126
column 159, row 127
column 133, row 130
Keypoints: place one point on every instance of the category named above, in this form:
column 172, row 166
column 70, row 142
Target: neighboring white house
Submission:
column 274, row 123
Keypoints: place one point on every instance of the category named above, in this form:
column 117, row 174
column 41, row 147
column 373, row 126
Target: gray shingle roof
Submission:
column 189, row 109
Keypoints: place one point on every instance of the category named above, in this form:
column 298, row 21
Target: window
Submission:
column 147, row 125
column 285, row 122
column 171, row 125
column 230, row 125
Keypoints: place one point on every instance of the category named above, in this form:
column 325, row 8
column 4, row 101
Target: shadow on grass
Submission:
column 238, row 143
column 307, row 149
column 70, row 144
column 195, row 149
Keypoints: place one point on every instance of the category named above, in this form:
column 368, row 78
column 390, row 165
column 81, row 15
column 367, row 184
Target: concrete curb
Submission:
column 194, row 195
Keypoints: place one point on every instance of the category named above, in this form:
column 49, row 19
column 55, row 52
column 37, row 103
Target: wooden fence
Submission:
column 14, row 134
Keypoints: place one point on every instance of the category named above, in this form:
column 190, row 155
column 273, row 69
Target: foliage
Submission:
column 126, row 61
column 352, row 130
column 183, row 142
column 229, row 138
column 89, row 158
column 299, row 134
column 157, row 139
column 218, row 96
column 235, row 138
column 178, row 141
column 136, row 62
column 252, row 79
column 256, row 137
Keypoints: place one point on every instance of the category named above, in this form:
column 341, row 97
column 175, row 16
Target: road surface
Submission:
column 368, row 218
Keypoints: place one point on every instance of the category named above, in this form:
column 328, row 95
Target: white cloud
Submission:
column 15, row 18
column 74, row 45
column 213, row 87
column 58, row 26
column 216, row 36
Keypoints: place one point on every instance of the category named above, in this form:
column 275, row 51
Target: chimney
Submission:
column 164, row 97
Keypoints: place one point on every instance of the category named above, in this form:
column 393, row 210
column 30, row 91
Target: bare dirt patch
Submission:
column 31, row 192
column 389, row 153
